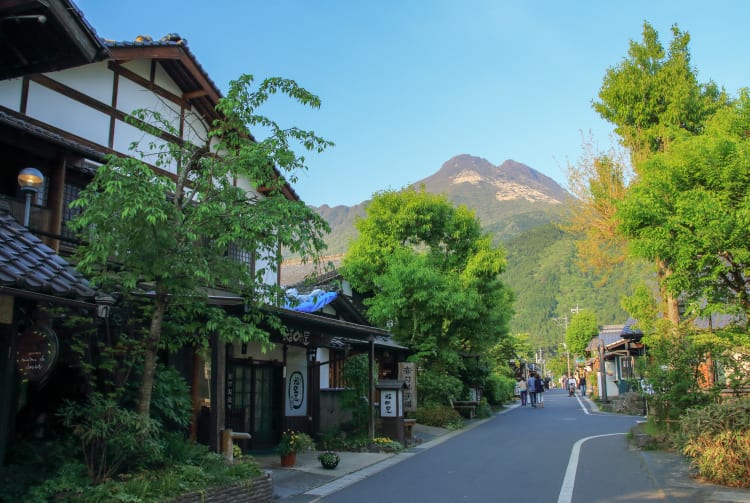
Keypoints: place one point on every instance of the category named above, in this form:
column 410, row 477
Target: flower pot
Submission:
column 288, row 460
column 329, row 465
column 329, row 460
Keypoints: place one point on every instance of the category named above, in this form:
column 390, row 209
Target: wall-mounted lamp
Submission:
column 104, row 304
column 30, row 180
column 312, row 353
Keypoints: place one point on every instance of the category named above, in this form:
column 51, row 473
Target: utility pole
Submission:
column 575, row 311
column 563, row 322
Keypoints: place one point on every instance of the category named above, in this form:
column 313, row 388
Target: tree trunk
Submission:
column 671, row 304
column 149, row 357
column 673, row 310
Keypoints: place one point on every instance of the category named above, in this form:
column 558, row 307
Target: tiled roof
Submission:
column 306, row 276
column 26, row 263
column 24, row 124
column 170, row 40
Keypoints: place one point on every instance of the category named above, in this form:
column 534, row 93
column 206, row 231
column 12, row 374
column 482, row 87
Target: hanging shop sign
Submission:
column 37, row 352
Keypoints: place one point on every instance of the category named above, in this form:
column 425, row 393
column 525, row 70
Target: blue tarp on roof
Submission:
column 309, row 303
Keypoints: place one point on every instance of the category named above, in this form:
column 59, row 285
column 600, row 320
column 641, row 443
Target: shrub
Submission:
column 499, row 389
column 198, row 469
column 723, row 458
column 113, row 439
column 171, row 404
column 483, row 409
column 438, row 389
column 385, row 444
column 439, row 415
column 355, row 397
column 32, row 461
column 674, row 372
column 717, row 437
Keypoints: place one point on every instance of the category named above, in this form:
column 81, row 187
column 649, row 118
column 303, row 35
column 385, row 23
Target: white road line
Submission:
column 566, row 491
column 580, row 402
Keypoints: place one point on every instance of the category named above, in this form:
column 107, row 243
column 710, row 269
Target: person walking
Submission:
column 582, row 384
column 531, row 386
column 523, row 391
column 539, row 391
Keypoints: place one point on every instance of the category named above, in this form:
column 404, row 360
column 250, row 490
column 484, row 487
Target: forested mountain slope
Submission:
column 543, row 273
column 519, row 207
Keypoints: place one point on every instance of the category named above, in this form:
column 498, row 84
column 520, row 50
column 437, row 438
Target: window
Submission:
column 71, row 194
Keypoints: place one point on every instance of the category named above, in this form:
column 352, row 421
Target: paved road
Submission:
column 525, row 455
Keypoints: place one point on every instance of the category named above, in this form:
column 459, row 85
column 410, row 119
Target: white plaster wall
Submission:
column 141, row 67
column 295, row 394
column 131, row 96
column 196, row 130
column 263, row 261
column 93, row 80
column 125, row 134
column 324, row 355
column 163, row 80
column 67, row 114
column 10, row 93
column 245, row 184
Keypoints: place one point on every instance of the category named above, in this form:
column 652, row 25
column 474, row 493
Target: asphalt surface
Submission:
column 308, row 481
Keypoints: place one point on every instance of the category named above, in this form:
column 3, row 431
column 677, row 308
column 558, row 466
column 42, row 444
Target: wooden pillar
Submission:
column 218, row 387
column 371, row 398
column 195, row 380
column 8, row 338
column 55, row 202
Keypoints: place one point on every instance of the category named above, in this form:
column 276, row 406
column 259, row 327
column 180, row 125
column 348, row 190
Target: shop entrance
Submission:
column 254, row 403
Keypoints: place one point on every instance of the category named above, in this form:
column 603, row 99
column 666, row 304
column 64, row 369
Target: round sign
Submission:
column 36, row 352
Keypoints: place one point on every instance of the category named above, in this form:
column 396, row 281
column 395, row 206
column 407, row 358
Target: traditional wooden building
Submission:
column 616, row 349
column 65, row 101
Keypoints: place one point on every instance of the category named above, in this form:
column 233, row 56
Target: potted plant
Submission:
column 291, row 443
column 329, row 459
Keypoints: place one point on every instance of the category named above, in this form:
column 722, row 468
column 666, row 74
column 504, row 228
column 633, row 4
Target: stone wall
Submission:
column 259, row 490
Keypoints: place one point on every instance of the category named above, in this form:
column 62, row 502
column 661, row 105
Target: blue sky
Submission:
column 406, row 85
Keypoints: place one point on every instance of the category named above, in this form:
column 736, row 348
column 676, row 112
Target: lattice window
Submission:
column 71, row 194
column 240, row 255
column 336, row 371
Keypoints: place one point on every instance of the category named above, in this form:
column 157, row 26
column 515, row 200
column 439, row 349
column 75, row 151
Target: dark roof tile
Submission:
column 26, row 263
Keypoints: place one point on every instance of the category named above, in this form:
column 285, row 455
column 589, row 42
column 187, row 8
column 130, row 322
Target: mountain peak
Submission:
column 510, row 181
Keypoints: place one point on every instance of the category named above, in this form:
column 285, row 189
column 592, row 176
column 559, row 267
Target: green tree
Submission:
column 597, row 182
column 690, row 207
column 431, row 271
column 653, row 97
column 583, row 326
column 170, row 238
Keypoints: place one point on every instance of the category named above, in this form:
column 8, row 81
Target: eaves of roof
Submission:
column 31, row 269
column 333, row 326
column 180, row 63
column 43, row 36
column 183, row 67
column 31, row 127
